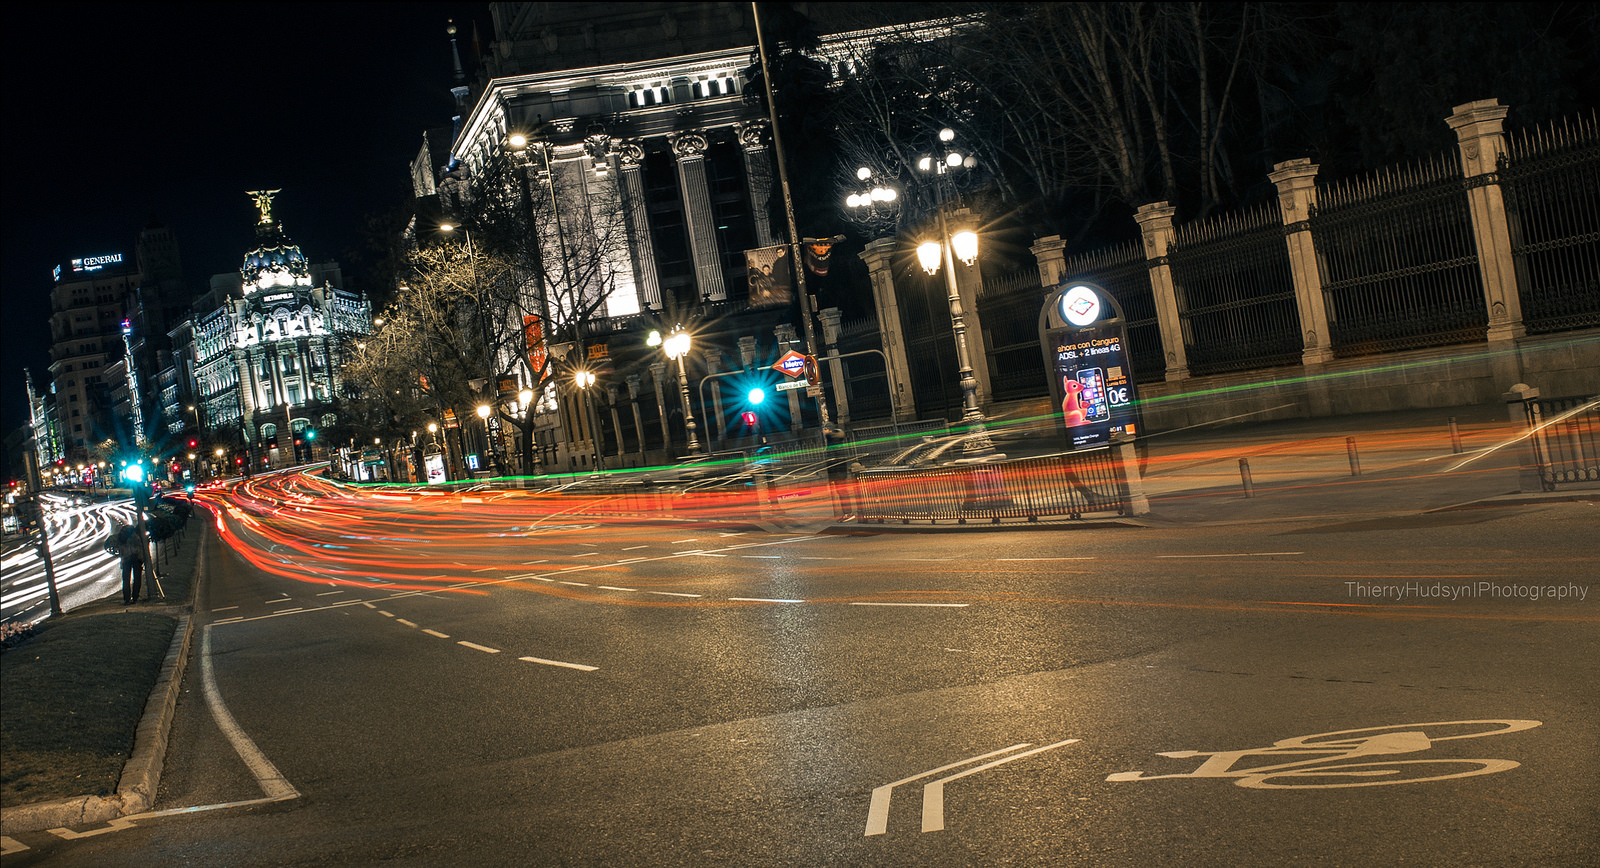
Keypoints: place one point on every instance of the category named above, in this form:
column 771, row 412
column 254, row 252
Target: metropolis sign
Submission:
column 1085, row 342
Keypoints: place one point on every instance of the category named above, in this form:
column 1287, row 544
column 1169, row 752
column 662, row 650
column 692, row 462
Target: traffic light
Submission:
column 749, row 419
column 193, row 443
column 311, row 433
column 756, row 395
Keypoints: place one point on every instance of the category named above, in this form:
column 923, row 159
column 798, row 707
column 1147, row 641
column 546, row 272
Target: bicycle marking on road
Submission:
column 1327, row 758
column 933, row 792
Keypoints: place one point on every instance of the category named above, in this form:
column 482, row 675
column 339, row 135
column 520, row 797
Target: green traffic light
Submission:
column 311, row 434
column 756, row 396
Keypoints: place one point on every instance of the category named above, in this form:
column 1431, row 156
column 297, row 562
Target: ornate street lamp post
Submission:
column 676, row 346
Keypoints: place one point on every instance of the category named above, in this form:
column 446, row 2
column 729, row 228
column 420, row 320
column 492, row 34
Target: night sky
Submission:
column 121, row 114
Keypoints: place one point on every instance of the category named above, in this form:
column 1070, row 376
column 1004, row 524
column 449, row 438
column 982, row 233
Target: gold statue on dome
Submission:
column 263, row 200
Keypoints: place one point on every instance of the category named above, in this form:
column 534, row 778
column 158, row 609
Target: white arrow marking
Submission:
column 933, row 793
column 878, row 813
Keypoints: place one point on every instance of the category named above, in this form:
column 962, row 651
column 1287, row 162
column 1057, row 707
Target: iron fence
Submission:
column 1551, row 181
column 1399, row 262
column 1236, row 292
column 1070, row 484
column 1565, row 433
column 1009, row 311
column 1123, row 271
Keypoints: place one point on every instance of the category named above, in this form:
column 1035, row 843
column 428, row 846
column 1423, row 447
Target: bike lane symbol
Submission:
column 1348, row 757
column 933, row 791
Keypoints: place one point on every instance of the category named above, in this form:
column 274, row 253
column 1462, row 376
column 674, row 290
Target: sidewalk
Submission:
column 88, row 702
column 1301, row 471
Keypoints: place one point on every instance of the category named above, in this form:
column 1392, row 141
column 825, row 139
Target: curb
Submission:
column 983, row 527
column 141, row 775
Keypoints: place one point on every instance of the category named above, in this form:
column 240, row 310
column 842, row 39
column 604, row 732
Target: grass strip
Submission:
column 73, row 697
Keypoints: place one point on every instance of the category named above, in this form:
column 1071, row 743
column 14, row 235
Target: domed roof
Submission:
column 275, row 264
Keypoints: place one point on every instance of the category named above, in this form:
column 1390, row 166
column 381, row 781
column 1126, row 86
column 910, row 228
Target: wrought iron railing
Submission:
column 1551, row 182
column 1123, row 271
column 1399, row 263
column 1565, row 434
column 1235, row 292
column 1071, row 484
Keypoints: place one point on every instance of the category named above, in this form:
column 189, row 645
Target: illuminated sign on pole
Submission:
column 1085, row 342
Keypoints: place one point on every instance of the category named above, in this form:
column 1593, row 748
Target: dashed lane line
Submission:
column 924, row 605
column 610, row 588
column 476, row 647
column 634, row 548
column 411, row 624
column 578, row 666
column 671, row 594
column 1090, row 558
column 761, row 600
column 1234, row 555
column 437, row 633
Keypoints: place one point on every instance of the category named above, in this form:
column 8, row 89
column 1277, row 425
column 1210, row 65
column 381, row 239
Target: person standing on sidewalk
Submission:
column 134, row 554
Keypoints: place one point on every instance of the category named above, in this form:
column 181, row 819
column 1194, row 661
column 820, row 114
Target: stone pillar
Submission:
column 879, row 257
column 747, row 352
column 787, row 338
column 830, row 317
column 758, row 178
column 634, row 385
column 714, row 365
column 690, row 150
column 1155, row 222
column 616, row 418
column 658, row 374
column 1296, row 181
column 1051, row 254
column 1479, row 133
column 630, row 156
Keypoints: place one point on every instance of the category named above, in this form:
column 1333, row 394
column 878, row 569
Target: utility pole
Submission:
column 35, row 513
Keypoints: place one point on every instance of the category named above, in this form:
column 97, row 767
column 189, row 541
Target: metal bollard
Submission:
column 1455, row 437
column 1355, row 460
column 1244, row 477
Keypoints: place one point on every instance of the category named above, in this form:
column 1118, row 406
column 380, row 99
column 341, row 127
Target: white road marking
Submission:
column 736, row 533
column 287, row 611
column 933, row 792
column 878, row 811
column 671, row 594
column 631, row 548
column 1233, row 555
column 762, row 557
column 229, row 620
column 810, row 558
column 369, row 605
column 578, row 666
column 1045, row 559
column 676, row 541
column 405, row 622
column 437, row 633
column 273, row 784
column 329, row 593
column 762, row 600
column 610, row 588
column 579, row 584
column 476, row 647
column 929, row 605
column 386, row 614
column 276, row 602
column 930, row 559
column 485, row 569
column 225, row 609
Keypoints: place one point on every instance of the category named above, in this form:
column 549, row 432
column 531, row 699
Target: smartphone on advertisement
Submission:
column 1093, row 399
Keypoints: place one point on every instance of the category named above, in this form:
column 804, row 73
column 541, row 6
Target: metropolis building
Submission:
column 267, row 344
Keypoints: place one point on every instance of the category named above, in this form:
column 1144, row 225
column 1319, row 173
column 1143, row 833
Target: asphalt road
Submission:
column 431, row 684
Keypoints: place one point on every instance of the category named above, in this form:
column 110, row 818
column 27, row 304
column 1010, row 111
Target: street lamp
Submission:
column 676, row 346
column 963, row 245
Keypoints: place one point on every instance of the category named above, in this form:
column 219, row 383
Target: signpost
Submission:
column 1084, row 337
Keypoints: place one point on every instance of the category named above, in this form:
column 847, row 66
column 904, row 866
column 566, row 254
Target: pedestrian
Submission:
column 134, row 553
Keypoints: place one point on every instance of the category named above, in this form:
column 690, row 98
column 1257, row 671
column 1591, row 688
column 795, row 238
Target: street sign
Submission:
column 814, row 390
column 792, row 364
column 791, row 385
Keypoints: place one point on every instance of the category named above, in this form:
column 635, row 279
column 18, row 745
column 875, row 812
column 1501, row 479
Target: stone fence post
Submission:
column 1155, row 223
column 879, row 257
column 1479, row 128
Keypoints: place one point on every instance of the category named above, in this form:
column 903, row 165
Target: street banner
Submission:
column 771, row 276
column 533, row 335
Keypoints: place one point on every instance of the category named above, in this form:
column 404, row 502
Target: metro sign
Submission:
column 791, row 364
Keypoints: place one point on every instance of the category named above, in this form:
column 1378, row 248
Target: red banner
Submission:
column 533, row 333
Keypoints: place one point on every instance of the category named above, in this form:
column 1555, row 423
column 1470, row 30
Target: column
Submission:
column 713, row 366
column 1155, row 222
column 787, row 338
column 1478, row 126
column 634, row 385
column 1051, row 254
column 690, row 150
column 616, row 419
column 758, row 177
column 658, row 373
column 630, row 156
column 879, row 257
column 1296, row 181
column 830, row 317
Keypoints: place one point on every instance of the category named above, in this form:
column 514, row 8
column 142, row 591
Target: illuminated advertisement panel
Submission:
column 1085, row 342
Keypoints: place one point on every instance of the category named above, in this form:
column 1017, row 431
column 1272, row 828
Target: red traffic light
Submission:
column 238, row 461
column 748, row 417
column 193, row 443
